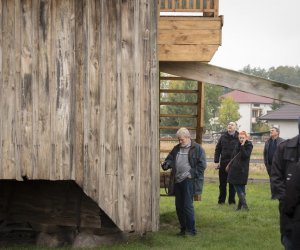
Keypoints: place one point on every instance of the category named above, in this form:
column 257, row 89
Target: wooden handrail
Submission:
column 208, row 7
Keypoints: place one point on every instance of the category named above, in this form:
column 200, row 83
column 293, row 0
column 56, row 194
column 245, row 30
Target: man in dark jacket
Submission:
column 189, row 161
column 285, row 179
column 269, row 150
column 223, row 153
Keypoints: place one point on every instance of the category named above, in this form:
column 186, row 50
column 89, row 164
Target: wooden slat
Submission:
column 53, row 93
column 188, row 23
column 182, row 52
column 211, row 37
column 234, row 80
column 179, row 103
column 178, row 115
column 63, row 89
column 1, row 88
column 44, row 144
column 79, row 94
column 176, row 127
column 8, row 93
column 18, row 87
column 200, row 112
column 93, row 97
column 128, row 103
column 26, row 94
column 178, row 91
column 154, row 132
column 35, row 88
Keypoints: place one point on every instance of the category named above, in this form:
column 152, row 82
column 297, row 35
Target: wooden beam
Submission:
column 233, row 79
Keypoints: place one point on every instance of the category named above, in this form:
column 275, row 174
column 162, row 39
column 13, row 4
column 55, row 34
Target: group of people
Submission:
column 232, row 159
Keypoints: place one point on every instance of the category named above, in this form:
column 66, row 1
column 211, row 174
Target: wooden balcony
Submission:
column 188, row 30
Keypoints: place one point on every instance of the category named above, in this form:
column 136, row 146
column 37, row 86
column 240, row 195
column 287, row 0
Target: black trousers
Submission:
column 223, row 188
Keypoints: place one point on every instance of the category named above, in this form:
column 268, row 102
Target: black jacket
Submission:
column 225, row 147
column 285, row 178
column 266, row 151
column 239, row 169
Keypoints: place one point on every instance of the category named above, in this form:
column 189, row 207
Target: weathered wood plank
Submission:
column 79, row 73
column 63, row 88
column 189, row 37
column 18, row 87
column 144, row 100
column 44, row 120
column 93, row 96
column 182, row 52
column 35, row 87
column 154, row 132
column 110, row 142
column 52, row 92
column 1, row 90
column 8, row 108
column 102, row 123
column 128, row 168
column 234, row 80
column 26, row 89
column 189, row 23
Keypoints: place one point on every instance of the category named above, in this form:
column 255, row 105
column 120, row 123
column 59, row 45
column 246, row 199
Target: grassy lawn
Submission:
column 219, row 226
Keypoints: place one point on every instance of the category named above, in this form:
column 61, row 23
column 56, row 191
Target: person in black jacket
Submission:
column 269, row 150
column 189, row 162
column 223, row 152
column 239, row 168
column 285, row 178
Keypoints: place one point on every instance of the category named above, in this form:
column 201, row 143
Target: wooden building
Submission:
column 79, row 104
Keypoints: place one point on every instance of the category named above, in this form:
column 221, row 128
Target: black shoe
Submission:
column 181, row 233
column 190, row 234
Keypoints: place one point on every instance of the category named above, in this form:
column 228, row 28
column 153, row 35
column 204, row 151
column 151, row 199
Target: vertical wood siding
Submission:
column 79, row 101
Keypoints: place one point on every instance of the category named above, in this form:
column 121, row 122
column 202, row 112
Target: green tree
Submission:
column 178, row 109
column 212, row 102
column 228, row 111
column 285, row 74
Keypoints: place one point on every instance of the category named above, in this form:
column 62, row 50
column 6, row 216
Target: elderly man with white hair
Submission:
column 189, row 160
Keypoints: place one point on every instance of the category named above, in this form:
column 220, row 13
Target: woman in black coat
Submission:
column 239, row 168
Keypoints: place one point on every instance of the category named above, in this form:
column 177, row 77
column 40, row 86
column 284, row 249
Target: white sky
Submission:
column 262, row 33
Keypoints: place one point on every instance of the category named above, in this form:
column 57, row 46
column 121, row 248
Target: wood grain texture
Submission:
column 79, row 101
column 233, row 79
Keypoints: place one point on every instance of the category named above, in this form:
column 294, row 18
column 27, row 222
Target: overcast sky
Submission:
column 262, row 33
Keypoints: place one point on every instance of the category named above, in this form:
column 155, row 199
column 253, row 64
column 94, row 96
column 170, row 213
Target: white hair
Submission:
column 183, row 132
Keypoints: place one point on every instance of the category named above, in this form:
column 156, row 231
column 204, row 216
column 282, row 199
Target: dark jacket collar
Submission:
column 292, row 143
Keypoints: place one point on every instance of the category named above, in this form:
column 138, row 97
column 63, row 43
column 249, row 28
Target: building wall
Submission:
column 244, row 123
column 79, row 101
column 247, row 119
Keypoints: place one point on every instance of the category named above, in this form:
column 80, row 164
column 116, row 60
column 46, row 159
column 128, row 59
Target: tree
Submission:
column 228, row 111
column 212, row 102
column 178, row 109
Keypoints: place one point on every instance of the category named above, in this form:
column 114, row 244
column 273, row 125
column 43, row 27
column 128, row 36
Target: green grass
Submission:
column 219, row 227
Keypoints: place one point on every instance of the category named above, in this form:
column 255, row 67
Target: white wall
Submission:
column 288, row 129
column 245, row 110
column 244, row 123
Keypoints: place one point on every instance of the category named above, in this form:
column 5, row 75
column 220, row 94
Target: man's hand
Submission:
column 217, row 166
column 165, row 166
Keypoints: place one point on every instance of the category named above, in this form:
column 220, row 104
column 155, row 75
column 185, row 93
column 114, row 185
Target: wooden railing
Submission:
column 207, row 7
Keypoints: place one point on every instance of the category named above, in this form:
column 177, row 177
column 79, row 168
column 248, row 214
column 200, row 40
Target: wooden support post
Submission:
column 200, row 112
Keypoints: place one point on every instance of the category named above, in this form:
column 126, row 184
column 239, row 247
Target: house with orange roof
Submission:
column 251, row 107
